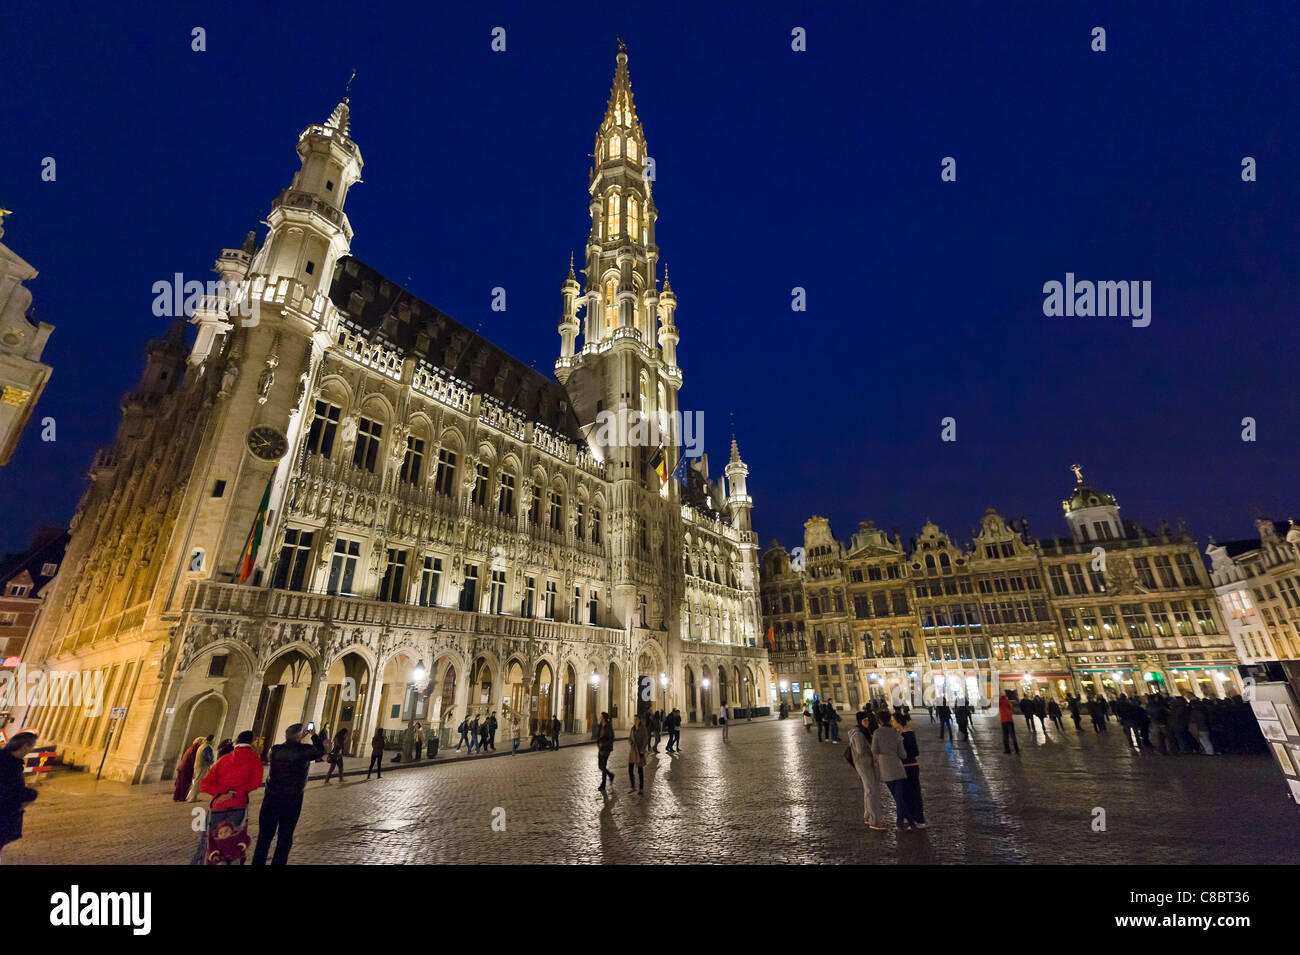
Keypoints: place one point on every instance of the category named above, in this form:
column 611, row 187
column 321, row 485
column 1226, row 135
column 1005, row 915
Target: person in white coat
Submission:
column 860, row 746
column 890, row 754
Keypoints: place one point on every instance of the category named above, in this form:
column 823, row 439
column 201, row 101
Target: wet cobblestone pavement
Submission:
column 771, row 793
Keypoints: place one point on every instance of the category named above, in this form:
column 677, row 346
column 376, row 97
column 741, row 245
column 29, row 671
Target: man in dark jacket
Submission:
column 1027, row 711
column 674, row 731
column 14, row 794
column 1074, row 712
column 604, row 744
column 1097, row 714
column 817, row 718
column 555, row 732
column 290, row 763
column 944, row 713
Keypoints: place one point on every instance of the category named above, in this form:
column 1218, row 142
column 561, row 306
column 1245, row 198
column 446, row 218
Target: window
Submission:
column 557, row 511
column 218, row 489
column 311, row 267
column 8, row 618
column 367, row 450
column 1098, row 580
column 631, row 148
column 430, row 581
column 1143, row 567
column 294, row 563
column 860, row 609
column 1109, row 623
column 1165, row 570
column 481, row 486
column 612, row 219
column 469, row 589
column 413, row 462
column 343, row 567
column 1204, row 617
column 548, row 607
column 611, row 316
column 444, row 482
column 880, row 603
column 633, row 219
column 595, row 525
column 1183, row 618
column 813, row 606
column 575, row 609
column 49, row 570
column 641, row 609
column 615, row 147
column 591, row 609
column 391, row 587
column 217, row 665
column 506, row 494
column 1076, row 578
column 497, row 598
column 1186, row 570
column 1135, row 621
column 529, row 598
column 320, row 437
column 578, row 524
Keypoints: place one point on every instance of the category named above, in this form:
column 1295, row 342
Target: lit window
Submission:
column 633, row 218
column 612, row 229
column 615, row 147
column 610, row 306
column 631, row 148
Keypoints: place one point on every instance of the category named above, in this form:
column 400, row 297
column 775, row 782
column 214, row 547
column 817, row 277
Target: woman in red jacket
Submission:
column 229, row 782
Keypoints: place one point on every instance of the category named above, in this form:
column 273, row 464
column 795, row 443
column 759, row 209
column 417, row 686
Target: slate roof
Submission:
column 386, row 311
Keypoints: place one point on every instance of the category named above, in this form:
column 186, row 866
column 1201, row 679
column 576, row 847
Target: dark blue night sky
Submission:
column 775, row 169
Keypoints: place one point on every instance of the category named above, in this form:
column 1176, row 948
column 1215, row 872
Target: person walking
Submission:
column 1040, row 711
column 963, row 720
column 1074, row 713
column 377, row 754
column 491, row 727
column 638, row 741
column 463, row 730
column 817, row 718
column 555, row 732
column 290, row 763
column 1097, row 714
column 327, row 739
column 224, row 838
column 336, row 755
column 1158, row 715
column 929, row 708
column 653, row 727
column 873, row 812
column 910, row 765
column 203, row 760
column 474, row 745
column 833, row 721
column 604, row 746
column 1007, row 717
column 807, row 719
column 514, row 735
column 14, row 793
column 674, row 731
column 944, row 713
column 185, row 771
column 890, row 754
column 722, row 718
column 419, row 743
column 1054, row 711
column 1027, row 710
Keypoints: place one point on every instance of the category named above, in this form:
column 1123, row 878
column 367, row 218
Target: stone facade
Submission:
column 340, row 505
column 1115, row 607
column 22, row 374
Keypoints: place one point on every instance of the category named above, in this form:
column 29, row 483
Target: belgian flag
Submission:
column 255, row 535
column 660, row 463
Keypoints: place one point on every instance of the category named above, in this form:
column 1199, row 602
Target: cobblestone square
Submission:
column 771, row 794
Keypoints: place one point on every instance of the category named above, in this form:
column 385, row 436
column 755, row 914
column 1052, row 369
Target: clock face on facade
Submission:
column 267, row 443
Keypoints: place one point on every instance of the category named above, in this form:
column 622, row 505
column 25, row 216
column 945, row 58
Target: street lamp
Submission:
column 408, row 742
column 663, row 683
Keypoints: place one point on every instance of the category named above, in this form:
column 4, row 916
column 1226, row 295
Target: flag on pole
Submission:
column 255, row 535
column 771, row 639
column 660, row 463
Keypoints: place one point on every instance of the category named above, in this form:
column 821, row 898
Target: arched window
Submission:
column 631, row 148
column 610, row 305
column 612, row 217
column 615, row 146
column 633, row 219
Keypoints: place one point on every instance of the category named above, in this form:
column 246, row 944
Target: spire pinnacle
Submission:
column 620, row 110
column 572, row 277
column 668, row 286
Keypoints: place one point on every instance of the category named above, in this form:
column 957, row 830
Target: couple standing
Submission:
column 882, row 753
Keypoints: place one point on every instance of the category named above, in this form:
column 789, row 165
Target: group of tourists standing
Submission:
column 827, row 718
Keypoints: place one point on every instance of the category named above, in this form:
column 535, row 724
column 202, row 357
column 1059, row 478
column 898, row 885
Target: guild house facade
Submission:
column 340, row 505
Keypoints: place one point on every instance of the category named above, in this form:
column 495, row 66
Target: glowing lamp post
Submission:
column 408, row 741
